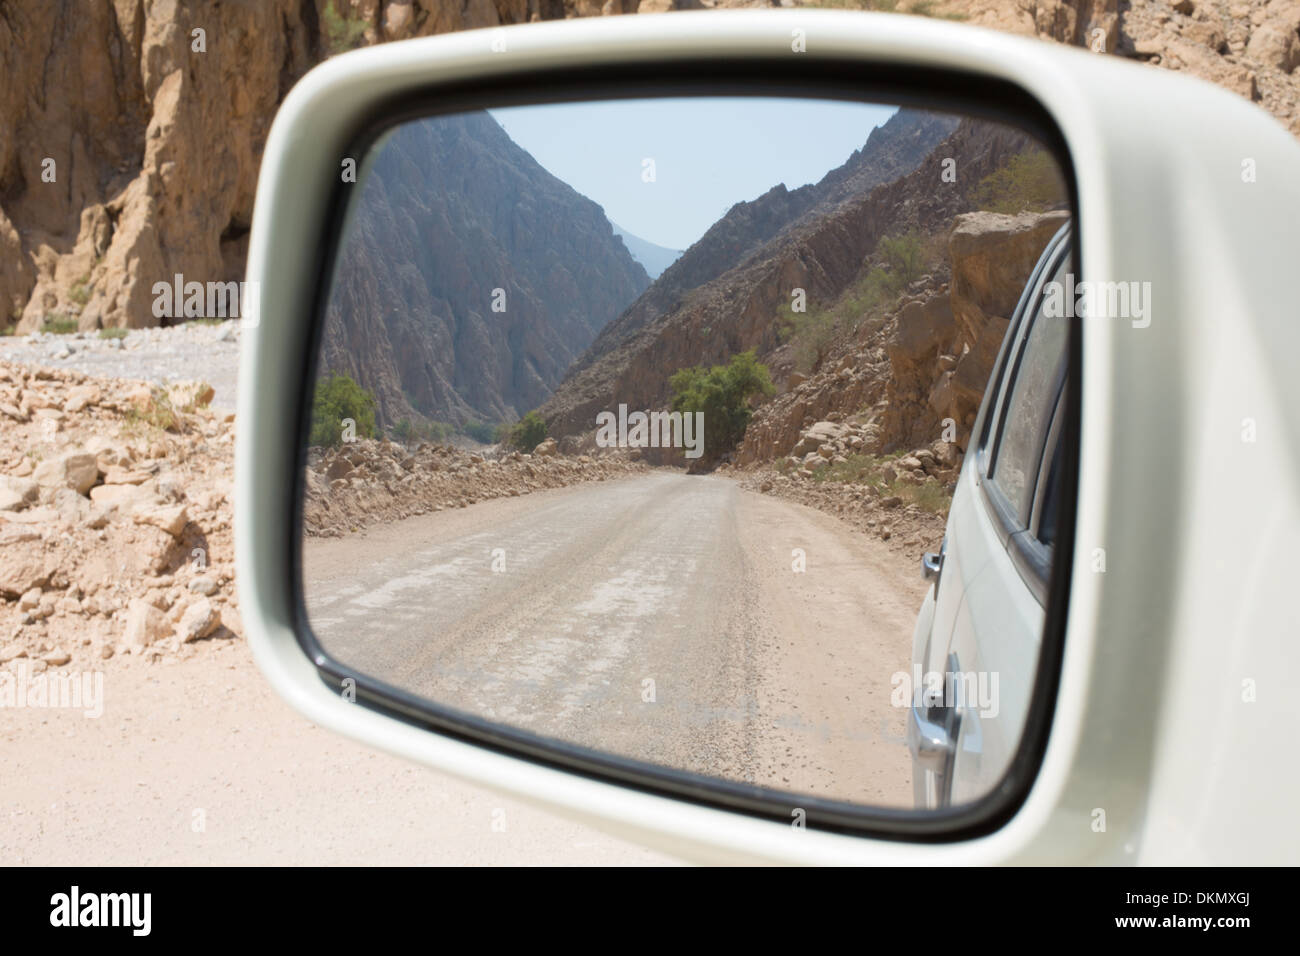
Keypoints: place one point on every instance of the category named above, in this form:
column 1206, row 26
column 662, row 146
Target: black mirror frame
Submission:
column 966, row 93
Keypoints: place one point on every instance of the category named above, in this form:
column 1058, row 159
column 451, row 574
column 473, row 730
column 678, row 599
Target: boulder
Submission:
column 924, row 328
column 1276, row 44
column 992, row 256
column 198, row 621
column 77, row 470
column 81, row 396
column 338, row 468
column 17, row 493
column 170, row 518
column 144, row 625
column 115, row 494
column 22, row 563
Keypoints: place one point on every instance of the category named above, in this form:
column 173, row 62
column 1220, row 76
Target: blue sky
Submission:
column 709, row 153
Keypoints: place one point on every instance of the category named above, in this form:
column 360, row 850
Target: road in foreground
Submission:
column 768, row 632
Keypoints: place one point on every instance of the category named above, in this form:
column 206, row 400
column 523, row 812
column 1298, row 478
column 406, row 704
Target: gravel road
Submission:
column 188, row 352
column 760, row 673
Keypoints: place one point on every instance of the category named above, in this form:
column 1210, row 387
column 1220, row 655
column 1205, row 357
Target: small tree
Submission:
column 403, row 430
column 810, row 334
column 1029, row 181
column 905, row 256
column 481, row 432
column 723, row 394
column 525, row 434
column 337, row 398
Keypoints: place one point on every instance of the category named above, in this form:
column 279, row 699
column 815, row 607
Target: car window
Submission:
column 1028, row 412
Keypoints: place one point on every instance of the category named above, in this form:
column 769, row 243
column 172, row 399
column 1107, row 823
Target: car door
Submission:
column 990, row 659
column 972, row 566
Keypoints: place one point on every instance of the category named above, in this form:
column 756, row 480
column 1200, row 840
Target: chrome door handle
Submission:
column 930, row 742
column 932, row 732
column 932, row 564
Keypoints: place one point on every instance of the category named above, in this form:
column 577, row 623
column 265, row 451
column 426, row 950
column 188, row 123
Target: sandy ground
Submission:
column 761, row 674
column 199, row 762
column 558, row 611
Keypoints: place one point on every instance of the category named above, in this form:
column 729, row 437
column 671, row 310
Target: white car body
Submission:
column 981, row 625
column 1174, row 699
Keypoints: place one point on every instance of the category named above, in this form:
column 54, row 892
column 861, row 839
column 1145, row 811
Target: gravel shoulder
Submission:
column 188, row 352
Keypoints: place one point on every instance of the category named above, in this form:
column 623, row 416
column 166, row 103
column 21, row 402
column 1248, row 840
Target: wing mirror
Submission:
column 607, row 378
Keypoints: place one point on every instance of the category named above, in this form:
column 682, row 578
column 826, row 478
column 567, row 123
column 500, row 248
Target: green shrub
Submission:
column 112, row 333
column 723, row 394
column 343, row 31
column 436, row 431
column 479, row 431
column 1030, row 182
column 59, row 324
column 157, row 413
column 865, row 469
column 904, row 259
column 525, row 434
column 403, row 430
column 810, row 333
column 339, row 397
column 905, row 256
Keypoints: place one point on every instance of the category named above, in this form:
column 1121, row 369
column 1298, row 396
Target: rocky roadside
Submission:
column 157, row 354
column 116, row 504
column 115, row 535
column 901, row 499
column 368, row 482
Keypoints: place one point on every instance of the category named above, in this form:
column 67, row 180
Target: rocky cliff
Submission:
column 154, row 114
column 131, row 132
column 723, row 295
column 470, row 277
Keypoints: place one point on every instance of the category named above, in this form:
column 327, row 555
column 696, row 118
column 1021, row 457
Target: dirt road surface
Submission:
column 767, row 631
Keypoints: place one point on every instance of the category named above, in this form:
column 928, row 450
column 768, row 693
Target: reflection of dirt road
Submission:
column 564, row 612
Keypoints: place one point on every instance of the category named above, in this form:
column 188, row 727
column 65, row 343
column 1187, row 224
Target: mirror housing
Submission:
column 1126, row 631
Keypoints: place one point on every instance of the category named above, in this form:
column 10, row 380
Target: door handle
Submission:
column 932, row 731
column 932, row 563
column 929, row 741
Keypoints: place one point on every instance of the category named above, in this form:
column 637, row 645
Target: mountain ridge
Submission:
column 469, row 277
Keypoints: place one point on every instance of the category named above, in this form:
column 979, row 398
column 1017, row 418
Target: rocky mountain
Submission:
column 722, row 295
column 469, row 277
column 653, row 258
column 155, row 114
column 925, row 363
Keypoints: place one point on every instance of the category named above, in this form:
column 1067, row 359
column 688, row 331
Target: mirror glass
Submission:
column 658, row 427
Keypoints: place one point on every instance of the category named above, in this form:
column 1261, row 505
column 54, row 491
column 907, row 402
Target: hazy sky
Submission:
column 709, row 154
